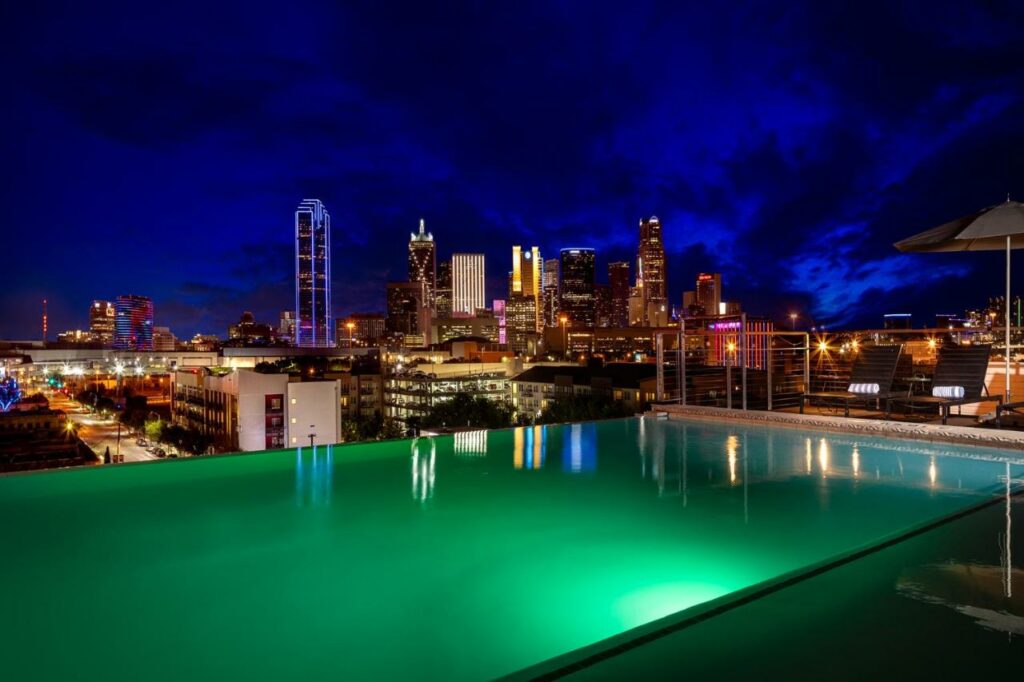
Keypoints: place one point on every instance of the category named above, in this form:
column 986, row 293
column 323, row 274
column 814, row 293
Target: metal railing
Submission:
column 726, row 362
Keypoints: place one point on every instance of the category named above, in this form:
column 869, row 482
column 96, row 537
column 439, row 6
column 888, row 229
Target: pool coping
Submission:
column 935, row 433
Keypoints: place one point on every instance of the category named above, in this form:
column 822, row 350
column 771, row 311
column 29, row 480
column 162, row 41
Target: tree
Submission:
column 466, row 410
column 154, row 430
column 392, row 428
column 583, row 408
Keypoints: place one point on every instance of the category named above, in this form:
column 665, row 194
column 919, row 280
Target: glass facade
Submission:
column 313, row 275
column 578, row 287
column 133, row 325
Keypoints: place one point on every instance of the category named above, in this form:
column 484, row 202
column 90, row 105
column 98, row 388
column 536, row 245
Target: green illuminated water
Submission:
column 438, row 559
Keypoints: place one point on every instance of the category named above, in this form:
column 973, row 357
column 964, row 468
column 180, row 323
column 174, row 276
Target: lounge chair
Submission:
column 959, row 379
column 870, row 380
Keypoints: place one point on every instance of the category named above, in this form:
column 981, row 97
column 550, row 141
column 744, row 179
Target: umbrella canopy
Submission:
column 994, row 228
column 984, row 230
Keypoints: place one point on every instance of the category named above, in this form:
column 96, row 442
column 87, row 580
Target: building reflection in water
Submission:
column 731, row 444
column 855, row 461
column 424, row 457
column 579, row 448
column 314, row 475
column 472, row 443
column 529, row 447
column 823, row 456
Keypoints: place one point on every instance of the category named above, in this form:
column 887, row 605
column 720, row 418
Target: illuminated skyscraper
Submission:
column 133, row 323
column 577, row 301
column 423, row 262
column 551, row 286
column 709, row 292
column 102, row 315
column 527, row 270
column 467, row 283
column 443, row 295
column 618, row 280
column 650, row 272
column 313, row 327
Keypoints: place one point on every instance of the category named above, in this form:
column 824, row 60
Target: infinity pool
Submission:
column 463, row 557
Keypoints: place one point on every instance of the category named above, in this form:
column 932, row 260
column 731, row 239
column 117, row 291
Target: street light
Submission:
column 350, row 325
column 792, row 321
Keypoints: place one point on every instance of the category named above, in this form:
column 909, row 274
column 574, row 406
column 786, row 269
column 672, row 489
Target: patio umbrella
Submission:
column 991, row 229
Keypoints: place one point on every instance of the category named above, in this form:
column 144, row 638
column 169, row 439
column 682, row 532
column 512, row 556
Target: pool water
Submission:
column 463, row 557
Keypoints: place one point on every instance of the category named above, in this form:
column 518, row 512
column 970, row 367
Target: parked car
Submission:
column 142, row 442
column 160, row 452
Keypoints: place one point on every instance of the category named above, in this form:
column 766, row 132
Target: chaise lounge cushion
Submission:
column 863, row 388
column 955, row 392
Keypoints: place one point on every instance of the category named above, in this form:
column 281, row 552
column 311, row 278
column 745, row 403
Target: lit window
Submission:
column 293, row 420
column 293, row 439
column 293, row 401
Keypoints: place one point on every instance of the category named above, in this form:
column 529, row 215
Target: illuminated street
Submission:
column 99, row 433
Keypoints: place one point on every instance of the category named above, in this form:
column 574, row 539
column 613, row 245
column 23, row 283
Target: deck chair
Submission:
column 870, row 380
column 959, row 379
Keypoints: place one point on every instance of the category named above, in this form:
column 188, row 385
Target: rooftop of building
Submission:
column 621, row 374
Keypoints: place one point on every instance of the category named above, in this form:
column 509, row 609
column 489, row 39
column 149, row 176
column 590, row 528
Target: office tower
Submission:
column 313, row 275
column 709, row 292
column 636, row 306
column 650, row 266
column 499, row 313
column 101, row 321
column 618, row 281
column 133, row 323
column 423, row 261
column 577, row 299
column 164, row 341
column 521, row 323
column 443, row 294
column 602, row 305
column 467, row 283
column 550, row 284
column 408, row 312
column 690, row 306
column 527, row 280
column 286, row 326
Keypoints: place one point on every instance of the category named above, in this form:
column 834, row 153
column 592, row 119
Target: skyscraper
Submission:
column 709, row 292
column 550, row 285
column 313, row 327
column 527, row 268
column 423, row 262
column 407, row 309
column 650, row 266
column 618, row 280
column 133, row 323
column 467, row 283
column 577, row 300
column 443, row 294
column 102, row 315
column 602, row 305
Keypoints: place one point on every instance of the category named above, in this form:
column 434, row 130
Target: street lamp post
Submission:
column 312, row 435
column 350, row 326
column 792, row 321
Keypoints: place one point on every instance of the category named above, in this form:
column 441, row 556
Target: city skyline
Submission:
column 775, row 150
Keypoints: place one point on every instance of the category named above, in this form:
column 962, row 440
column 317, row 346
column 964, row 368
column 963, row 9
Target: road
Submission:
column 99, row 433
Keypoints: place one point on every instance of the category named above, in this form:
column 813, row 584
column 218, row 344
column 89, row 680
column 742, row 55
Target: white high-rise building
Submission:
column 468, row 279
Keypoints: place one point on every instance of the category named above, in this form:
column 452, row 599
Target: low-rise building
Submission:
column 242, row 409
column 632, row 383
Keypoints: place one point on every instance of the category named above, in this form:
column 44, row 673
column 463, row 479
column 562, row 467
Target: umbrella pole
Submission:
column 1006, row 396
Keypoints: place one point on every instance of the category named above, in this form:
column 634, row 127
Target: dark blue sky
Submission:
column 163, row 151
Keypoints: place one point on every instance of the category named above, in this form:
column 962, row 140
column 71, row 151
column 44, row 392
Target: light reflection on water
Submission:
column 314, row 475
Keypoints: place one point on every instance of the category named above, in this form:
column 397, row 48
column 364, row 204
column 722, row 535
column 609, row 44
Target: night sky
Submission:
column 163, row 151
